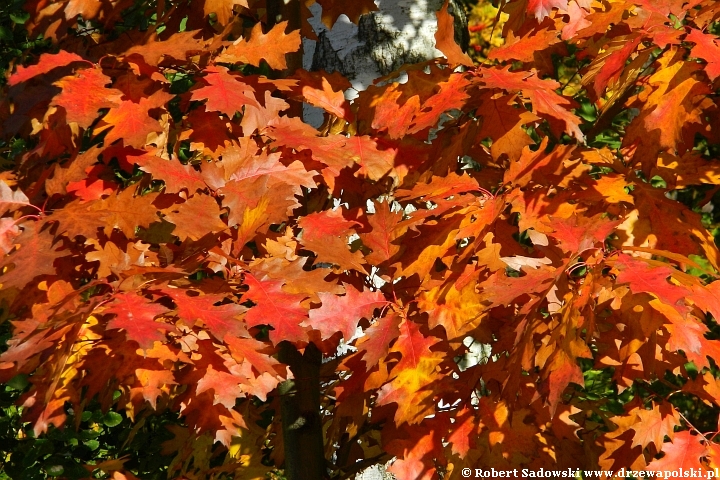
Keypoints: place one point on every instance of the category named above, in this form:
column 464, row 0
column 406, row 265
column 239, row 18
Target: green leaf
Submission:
column 112, row 419
column 18, row 382
column 55, row 470
column 5, row 33
column 92, row 444
column 20, row 17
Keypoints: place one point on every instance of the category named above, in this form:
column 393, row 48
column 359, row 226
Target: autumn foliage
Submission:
column 171, row 223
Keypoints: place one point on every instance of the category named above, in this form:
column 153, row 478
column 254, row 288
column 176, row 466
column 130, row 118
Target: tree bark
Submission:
column 300, row 412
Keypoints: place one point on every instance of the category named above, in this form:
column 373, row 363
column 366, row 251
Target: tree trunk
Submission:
column 401, row 32
column 300, row 412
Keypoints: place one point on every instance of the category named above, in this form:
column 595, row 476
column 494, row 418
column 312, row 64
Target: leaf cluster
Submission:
column 496, row 269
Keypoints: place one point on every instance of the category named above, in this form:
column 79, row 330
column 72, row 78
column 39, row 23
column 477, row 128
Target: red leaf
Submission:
column 342, row 314
column 11, row 200
column 274, row 307
column 272, row 47
column 220, row 320
column 683, row 454
column 542, row 8
column 376, row 341
column 47, row 62
column 224, row 92
column 83, row 94
column 706, row 48
column 445, row 38
column 225, row 386
column 252, row 351
column 136, row 315
column 36, row 256
column 8, row 232
column 641, row 277
column 175, row 175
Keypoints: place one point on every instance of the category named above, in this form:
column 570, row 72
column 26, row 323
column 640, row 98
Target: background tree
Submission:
column 175, row 238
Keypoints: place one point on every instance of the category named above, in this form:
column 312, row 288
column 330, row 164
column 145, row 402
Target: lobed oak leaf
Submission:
column 154, row 383
column 612, row 62
column 578, row 234
column 35, row 257
column 502, row 121
column 256, row 166
column 707, row 298
column 464, row 432
column 391, row 112
column 667, row 224
column 457, row 311
column 9, row 231
column 542, row 8
column 134, row 88
column 225, row 386
column 577, row 21
column 22, row 349
column 706, row 48
column 263, row 181
column 258, row 117
column 174, row 174
column 375, row 343
column 500, row 289
column 549, row 103
column 276, row 308
column 11, row 199
column 682, row 454
column 223, row 9
column 220, row 320
column 689, row 169
column 320, row 226
column 207, row 131
column 76, row 218
column 440, row 187
column 332, row 9
column 92, row 187
column 608, row 188
column 195, row 218
column 414, row 455
column 524, row 48
column 109, row 256
column 329, row 151
column 178, row 46
column 46, row 63
column 254, row 352
column 331, row 101
column 224, row 92
column 125, row 212
column 326, row 233
column 653, row 425
column 342, row 313
column 385, row 232
column 642, row 277
column 83, row 94
column 435, row 241
column 564, row 370
column 670, row 108
column 686, row 334
column 412, row 377
column 450, row 95
column 271, row 47
column 445, row 38
column 132, row 123
column 374, row 163
column 136, row 315
column 540, row 93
